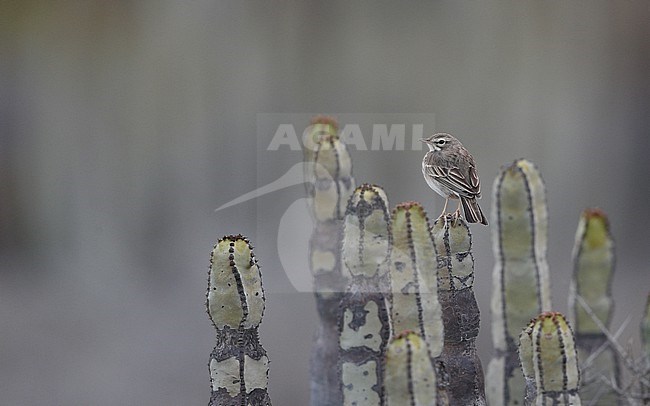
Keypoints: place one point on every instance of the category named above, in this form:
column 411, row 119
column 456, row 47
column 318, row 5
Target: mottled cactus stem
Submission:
column 328, row 170
column 520, row 280
column 238, row 365
column 364, row 325
column 329, row 182
column 554, row 360
column 593, row 259
column 460, row 313
column 410, row 377
column 414, row 284
column 526, row 361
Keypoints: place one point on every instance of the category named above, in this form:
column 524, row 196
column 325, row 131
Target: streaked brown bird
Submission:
column 449, row 169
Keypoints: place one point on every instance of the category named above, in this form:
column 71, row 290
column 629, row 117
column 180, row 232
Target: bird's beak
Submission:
column 423, row 140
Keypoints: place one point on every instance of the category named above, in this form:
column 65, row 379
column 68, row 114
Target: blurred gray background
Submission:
column 124, row 124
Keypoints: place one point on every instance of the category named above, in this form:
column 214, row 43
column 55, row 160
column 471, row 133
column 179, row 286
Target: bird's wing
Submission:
column 474, row 181
column 455, row 180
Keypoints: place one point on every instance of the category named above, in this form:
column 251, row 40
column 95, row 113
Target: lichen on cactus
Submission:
column 593, row 259
column 555, row 361
column 410, row 377
column 520, row 277
column 364, row 323
column 329, row 182
column 235, row 303
column 366, row 241
column 460, row 313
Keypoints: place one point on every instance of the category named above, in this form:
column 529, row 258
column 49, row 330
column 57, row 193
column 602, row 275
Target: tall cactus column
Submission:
column 460, row 313
column 238, row 365
column 593, row 259
column 364, row 325
column 413, row 270
column 520, row 289
column 414, row 306
column 329, row 181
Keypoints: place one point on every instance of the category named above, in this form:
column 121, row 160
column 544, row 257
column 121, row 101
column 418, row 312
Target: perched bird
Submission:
column 449, row 169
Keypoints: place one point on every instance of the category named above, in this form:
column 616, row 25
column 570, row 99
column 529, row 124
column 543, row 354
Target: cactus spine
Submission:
column 410, row 375
column 329, row 182
column 364, row 326
column 554, row 360
column 593, row 259
column 460, row 313
column 520, row 278
column 235, row 302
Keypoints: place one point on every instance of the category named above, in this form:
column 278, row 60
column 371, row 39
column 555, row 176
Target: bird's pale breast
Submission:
column 435, row 185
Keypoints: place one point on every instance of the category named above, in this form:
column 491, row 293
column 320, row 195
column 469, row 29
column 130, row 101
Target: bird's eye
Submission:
column 441, row 142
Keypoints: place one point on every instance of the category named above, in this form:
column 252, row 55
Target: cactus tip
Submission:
column 325, row 119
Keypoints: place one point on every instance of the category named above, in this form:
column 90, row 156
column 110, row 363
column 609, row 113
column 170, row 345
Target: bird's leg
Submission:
column 444, row 209
column 457, row 213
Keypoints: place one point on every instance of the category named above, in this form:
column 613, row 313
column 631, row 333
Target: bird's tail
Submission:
column 473, row 213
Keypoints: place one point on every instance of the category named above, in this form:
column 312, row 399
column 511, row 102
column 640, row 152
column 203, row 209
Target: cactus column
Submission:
column 414, row 295
column 364, row 325
column 329, row 181
column 410, row 375
column 238, row 365
column 460, row 313
column 520, row 278
column 414, row 279
column 554, row 360
column 526, row 361
column 593, row 259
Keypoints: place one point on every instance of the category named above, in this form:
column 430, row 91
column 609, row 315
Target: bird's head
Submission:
column 439, row 142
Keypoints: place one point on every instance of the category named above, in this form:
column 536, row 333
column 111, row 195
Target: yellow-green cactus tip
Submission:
column 325, row 120
column 451, row 233
column 597, row 226
column 235, row 295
